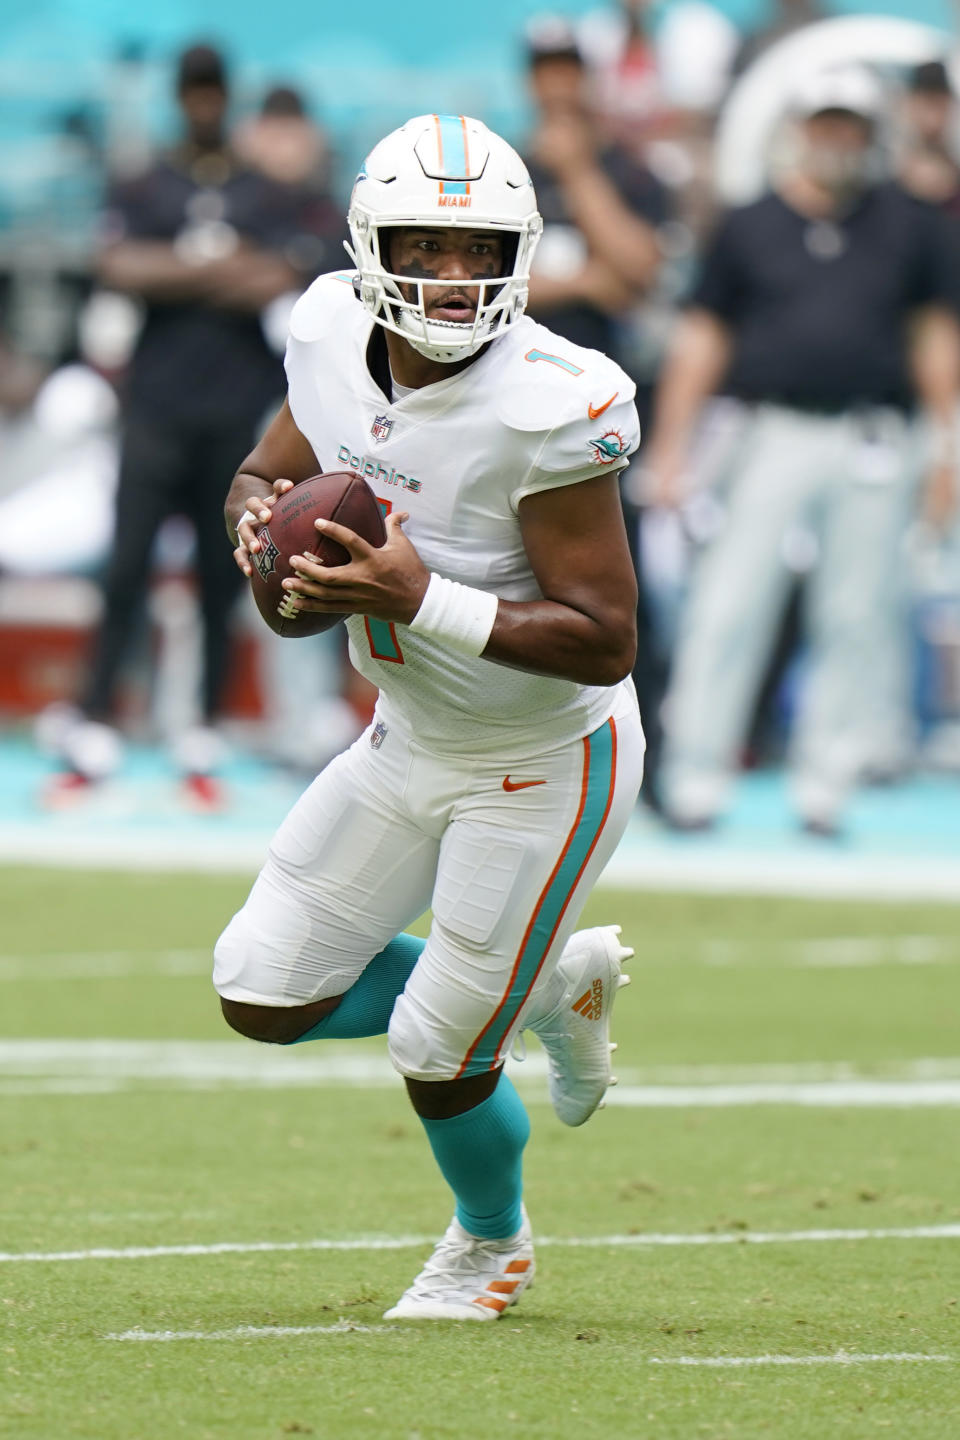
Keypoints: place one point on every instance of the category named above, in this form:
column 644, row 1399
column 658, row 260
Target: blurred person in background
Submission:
column 314, row 700
column 927, row 163
column 20, row 378
column 651, row 65
column 657, row 79
column 599, row 253
column 205, row 244
column 285, row 144
column 824, row 306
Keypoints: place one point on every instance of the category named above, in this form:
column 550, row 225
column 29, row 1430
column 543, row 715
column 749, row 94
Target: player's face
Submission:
column 451, row 257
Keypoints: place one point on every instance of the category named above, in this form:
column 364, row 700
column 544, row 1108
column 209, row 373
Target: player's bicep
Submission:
column 576, row 542
column 283, row 452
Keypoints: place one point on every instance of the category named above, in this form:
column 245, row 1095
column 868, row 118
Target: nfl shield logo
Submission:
column 381, row 427
column 267, row 556
column 379, row 735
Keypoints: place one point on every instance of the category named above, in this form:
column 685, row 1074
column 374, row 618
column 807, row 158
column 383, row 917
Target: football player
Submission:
column 497, row 621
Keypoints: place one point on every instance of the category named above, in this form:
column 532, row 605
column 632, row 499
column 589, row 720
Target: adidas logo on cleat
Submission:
column 590, row 1003
column 500, row 1290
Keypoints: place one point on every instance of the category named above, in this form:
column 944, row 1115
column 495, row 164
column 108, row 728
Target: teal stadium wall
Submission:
column 364, row 68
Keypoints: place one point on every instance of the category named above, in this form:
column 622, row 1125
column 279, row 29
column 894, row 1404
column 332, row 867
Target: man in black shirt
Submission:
column 825, row 307
column 599, row 252
column 206, row 244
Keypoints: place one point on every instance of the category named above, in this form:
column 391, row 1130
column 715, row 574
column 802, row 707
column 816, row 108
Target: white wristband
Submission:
column 457, row 615
column 247, row 518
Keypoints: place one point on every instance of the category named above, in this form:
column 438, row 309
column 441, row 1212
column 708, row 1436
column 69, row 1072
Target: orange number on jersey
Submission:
column 381, row 634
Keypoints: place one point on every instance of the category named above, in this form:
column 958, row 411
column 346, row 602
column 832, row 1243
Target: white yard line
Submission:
column 826, row 952
column 720, row 1362
column 349, row 1327
column 248, row 1332
column 858, row 1095
column 40, row 1067
column 104, row 964
column 409, row 1242
column 830, row 1095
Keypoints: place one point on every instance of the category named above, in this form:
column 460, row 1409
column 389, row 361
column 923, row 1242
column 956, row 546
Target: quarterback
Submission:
column 497, row 621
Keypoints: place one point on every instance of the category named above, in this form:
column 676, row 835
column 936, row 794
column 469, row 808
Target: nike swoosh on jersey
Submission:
column 511, row 785
column 595, row 411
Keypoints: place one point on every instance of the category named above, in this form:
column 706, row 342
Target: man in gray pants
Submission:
column 826, row 306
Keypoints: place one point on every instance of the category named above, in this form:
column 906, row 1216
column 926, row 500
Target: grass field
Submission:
column 768, row 1220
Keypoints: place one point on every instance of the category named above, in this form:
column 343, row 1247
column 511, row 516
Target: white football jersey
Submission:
column 530, row 413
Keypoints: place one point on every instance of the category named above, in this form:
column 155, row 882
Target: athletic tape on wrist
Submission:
column 247, row 518
column 457, row 615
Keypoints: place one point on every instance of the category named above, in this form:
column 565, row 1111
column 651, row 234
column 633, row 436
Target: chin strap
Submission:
column 442, row 354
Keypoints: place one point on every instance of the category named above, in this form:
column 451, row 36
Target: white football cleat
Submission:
column 576, row 1032
column 469, row 1278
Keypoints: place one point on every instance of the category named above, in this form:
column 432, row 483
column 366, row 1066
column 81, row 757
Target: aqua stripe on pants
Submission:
column 599, row 763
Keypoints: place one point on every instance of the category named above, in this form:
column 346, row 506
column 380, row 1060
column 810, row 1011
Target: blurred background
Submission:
column 752, row 205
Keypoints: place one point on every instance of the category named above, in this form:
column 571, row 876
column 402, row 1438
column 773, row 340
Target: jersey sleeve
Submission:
column 317, row 316
column 582, row 448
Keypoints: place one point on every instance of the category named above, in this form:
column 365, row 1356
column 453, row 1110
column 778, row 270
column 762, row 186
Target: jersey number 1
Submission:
column 382, row 634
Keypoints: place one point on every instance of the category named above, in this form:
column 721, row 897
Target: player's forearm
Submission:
column 251, row 281
column 612, row 231
column 551, row 292
column 935, row 366
column 552, row 639
column 151, row 270
column 281, row 453
column 244, row 486
column 698, row 360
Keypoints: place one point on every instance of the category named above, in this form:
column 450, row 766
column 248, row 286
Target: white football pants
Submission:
column 505, row 852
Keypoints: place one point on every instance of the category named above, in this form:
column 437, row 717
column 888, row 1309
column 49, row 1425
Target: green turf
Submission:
column 741, row 985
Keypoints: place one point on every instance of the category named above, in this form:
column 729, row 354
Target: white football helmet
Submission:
column 443, row 171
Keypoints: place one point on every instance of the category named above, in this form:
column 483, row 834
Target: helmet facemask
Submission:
column 493, row 195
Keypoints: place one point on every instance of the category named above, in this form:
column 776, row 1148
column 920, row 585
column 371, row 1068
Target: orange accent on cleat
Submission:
column 491, row 1302
column 590, row 1003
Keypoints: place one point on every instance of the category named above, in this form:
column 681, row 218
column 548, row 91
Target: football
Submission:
column 342, row 496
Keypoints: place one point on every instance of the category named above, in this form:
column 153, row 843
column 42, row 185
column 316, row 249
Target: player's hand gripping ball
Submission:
column 342, row 496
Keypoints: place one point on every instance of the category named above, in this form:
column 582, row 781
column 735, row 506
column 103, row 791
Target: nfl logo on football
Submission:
column 381, row 427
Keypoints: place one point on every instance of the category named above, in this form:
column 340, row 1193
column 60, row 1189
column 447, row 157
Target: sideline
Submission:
column 641, row 862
